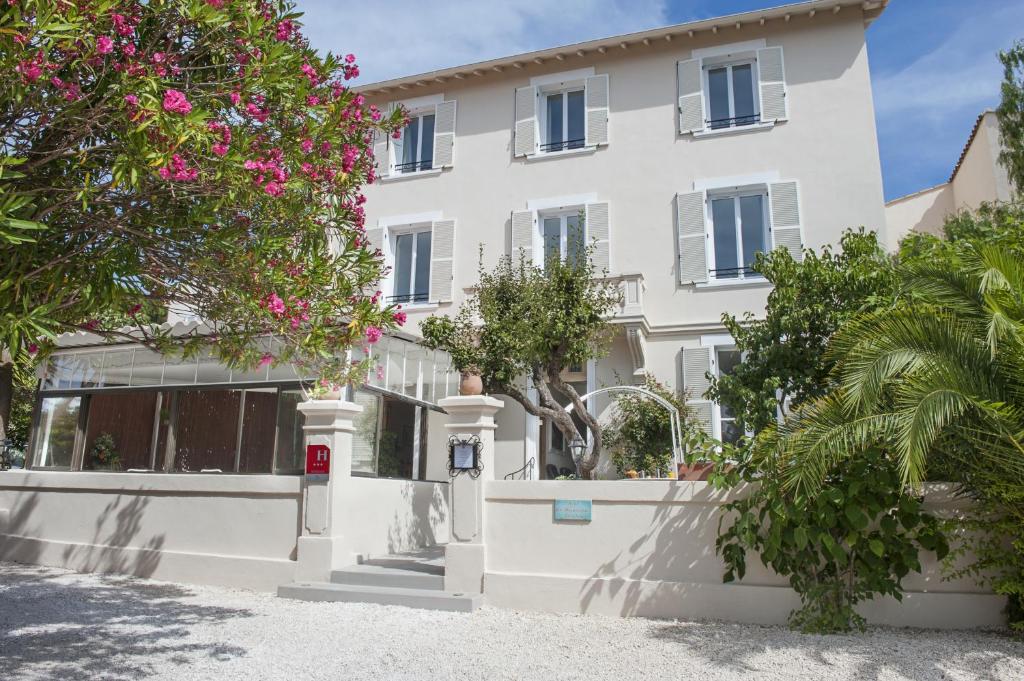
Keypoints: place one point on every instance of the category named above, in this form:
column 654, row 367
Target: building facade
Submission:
column 678, row 152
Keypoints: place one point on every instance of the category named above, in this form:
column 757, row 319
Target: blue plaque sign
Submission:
column 573, row 509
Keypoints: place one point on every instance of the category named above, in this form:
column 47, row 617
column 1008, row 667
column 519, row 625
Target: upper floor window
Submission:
column 739, row 230
column 732, row 98
column 414, row 151
column 564, row 121
column 412, row 266
column 563, row 236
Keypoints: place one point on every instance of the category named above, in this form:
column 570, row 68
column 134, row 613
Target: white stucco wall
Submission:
column 981, row 177
column 382, row 515
column 923, row 212
column 649, row 550
column 231, row 530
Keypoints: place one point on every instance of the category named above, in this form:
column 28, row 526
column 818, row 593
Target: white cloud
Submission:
column 405, row 37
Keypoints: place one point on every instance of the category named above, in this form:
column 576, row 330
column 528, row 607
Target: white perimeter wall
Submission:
column 382, row 515
column 650, row 551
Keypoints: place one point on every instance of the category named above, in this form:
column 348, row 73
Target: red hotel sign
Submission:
column 318, row 460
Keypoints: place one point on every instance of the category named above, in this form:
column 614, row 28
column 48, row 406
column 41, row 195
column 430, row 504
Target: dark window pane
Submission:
column 730, row 432
column 728, row 360
column 422, row 288
column 552, row 239
column 723, row 215
column 574, row 239
column 718, row 97
column 290, row 454
column 58, row 422
column 259, row 412
column 554, row 119
column 577, row 134
column 410, row 142
column 743, row 94
column 397, row 439
column 427, row 143
column 119, row 432
column 206, row 435
column 403, row 264
column 752, row 226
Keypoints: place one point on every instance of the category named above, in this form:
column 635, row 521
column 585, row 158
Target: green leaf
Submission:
column 877, row 547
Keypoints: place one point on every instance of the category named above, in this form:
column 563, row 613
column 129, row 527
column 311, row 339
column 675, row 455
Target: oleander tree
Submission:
column 185, row 154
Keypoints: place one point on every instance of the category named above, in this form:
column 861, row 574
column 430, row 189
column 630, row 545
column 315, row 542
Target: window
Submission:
column 563, row 115
column 415, row 150
column 57, row 431
column 731, row 95
column 739, row 230
column 562, row 236
column 726, row 360
column 412, row 267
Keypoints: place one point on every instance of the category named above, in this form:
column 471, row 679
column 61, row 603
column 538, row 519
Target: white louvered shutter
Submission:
column 785, row 212
column 444, row 134
column 375, row 237
column 598, row 231
column 691, row 96
column 526, row 121
column 597, row 110
column 381, row 153
column 522, row 235
column 442, row 260
column 692, row 242
column 772, row 79
column 696, row 365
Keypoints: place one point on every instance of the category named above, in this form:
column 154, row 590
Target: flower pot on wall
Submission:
column 471, row 384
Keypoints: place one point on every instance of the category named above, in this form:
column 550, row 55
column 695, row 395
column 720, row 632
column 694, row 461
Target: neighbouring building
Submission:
column 977, row 178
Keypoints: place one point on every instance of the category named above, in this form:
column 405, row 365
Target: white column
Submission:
column 465, row 557
column 321, row 548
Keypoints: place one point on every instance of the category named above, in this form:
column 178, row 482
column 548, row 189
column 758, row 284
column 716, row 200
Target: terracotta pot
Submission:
column 471, row 384
column 329, row 395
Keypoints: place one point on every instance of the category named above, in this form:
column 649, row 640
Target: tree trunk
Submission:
column 6, row 397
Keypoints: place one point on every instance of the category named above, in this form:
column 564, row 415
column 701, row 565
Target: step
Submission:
column 368, row 574
column 351, row 593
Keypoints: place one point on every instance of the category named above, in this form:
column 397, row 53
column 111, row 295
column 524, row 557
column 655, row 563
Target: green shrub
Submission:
column 639, row 435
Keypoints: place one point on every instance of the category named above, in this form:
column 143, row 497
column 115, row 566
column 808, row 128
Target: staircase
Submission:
column 415, row 580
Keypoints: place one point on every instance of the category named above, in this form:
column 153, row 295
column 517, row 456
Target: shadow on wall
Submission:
column 51, row 624
column 421, row 520
column 667, row 552
column 17, row 524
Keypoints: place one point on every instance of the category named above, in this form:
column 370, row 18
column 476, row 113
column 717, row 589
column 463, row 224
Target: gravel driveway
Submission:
column 56, row 624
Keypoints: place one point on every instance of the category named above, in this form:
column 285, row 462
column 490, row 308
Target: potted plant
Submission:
column 104, row 454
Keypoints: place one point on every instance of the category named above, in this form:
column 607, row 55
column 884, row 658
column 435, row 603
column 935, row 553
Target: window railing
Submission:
column 413, row 166
column 562, row 146
column 421, row 297
column 734, row 122
column 733, row 272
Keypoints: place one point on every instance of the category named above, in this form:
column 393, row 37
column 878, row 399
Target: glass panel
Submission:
column 752, row 227
column 397, row 438
column 206, row 433
column 119, row 432
column 403, row 264
column 442, row 367
column 58, row 422
column 396, row 366
column 76, row 370
column 364, row 439
column 259, row 409
column 378, row 363
column 210, row 370
column 426, row 374
column 574, row 239
column 718, row 97
column 554, row 120
column 147, row 368
column 427, row 152
column 577, row 136
column 421, row 292
column 289, row 432
column 410, row 142
column 723, row 216
column 730, row 432
column 178, row 371
column 552, row 239
column 117, row 367
column 743, row 94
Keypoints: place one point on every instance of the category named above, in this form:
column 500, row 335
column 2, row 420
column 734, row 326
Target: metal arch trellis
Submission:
column 677, row 431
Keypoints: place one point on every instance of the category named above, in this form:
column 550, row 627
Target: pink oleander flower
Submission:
column 275, row 305
column 176, row 102
column 122, row 25
column 400, row 318
column 131, row 100
column 273, row 188
column 380, row 372
column 373, row 334
column 104, row 45
column 350, row 58
column 216, row 4
column 266, row 359
column 284, row 30
column 220, row 149
column 135, row 309
column 307, row 145
column 32, row 348
column 128, row 49
column 235, row 98
column 312, row 100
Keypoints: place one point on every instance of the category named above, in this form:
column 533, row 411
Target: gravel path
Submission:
column 56, row 624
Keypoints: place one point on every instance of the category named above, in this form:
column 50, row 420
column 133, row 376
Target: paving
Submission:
column 56, row 624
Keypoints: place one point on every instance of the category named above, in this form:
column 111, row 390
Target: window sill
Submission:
column 419, row 307
column 395, row 177
column 540, row 156
column 734, row 283
column 736, row 130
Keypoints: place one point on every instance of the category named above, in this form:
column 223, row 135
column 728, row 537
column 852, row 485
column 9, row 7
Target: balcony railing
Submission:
column 737, row 121
column 562, row 146
column 414, row 166
column 421, row 297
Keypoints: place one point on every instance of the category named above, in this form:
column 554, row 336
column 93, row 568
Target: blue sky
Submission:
column 933, row 62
